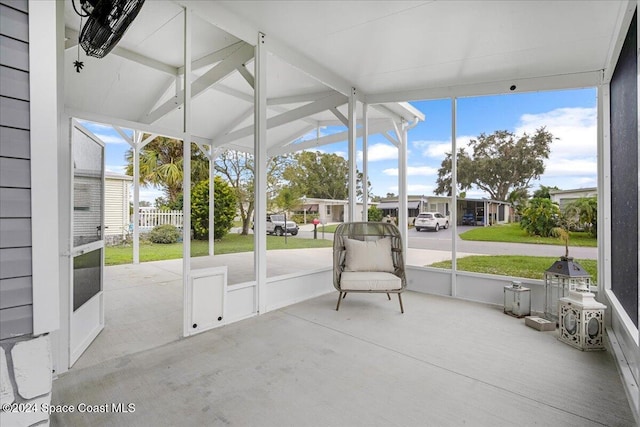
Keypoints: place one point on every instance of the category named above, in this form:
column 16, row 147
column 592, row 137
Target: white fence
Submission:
column 150, row 218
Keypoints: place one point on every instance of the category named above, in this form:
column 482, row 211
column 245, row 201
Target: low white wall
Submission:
column 293, row 288
column 281, row 291
column 485, row 288
column 241, row 301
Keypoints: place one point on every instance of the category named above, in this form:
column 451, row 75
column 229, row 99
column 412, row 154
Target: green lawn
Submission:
column 328, row 228
column 512, row 233
column 531, row 267
column 231, row 243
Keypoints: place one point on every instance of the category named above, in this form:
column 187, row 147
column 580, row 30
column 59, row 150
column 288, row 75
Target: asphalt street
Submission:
column 441, row 241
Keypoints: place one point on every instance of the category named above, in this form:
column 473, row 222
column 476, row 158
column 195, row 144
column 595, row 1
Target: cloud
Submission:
column 575, row 128
column 116, row 168
column 111, row 139
column 150, row 194
column 381, row 151
column 412, row 189
column 571, row 167
column 439, row 149
column 572, row 161
column 413, row 171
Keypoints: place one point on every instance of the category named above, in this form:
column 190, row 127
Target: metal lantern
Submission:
column 563, row 276
column 517, row 300
column 581, row 320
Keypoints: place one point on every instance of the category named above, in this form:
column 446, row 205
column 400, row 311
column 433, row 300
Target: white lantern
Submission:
column 517, row 300
column 581, row 320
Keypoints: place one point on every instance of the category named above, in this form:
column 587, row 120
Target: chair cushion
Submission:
column 369, row 281
column 372, row 255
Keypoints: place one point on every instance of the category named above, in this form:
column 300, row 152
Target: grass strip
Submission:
column 529, row 267
column 512, row 233
column 231, row 243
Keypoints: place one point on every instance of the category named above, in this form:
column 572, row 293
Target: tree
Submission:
column 287, row 200
column 540, row 217
column 359, row 186
column 543, row 192
column 498, row 163
column 518, row 199
column 318, row 175
column 224, row 208
column 322, row 175
column 584, row 212
column 238, row 169
column 161, row 165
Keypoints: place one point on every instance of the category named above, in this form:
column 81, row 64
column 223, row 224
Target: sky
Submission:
column 569, row 115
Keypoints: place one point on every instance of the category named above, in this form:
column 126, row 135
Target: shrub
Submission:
column 166, row 233
column 224, row 208
column 540, row 216
column 299, row 218
column 374, row 214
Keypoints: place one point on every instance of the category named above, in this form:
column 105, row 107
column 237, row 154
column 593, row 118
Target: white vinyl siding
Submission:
column 116, row 205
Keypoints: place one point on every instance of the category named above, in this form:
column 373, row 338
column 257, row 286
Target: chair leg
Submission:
column 400, row 299
column 339, row 299
column 388, row 296
column 344, row 296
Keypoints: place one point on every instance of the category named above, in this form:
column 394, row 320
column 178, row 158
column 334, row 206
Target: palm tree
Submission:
column 161, row 165
column 584, row 211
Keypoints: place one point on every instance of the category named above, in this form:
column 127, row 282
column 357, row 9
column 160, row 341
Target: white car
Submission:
column 431, row 221
column 275, row 225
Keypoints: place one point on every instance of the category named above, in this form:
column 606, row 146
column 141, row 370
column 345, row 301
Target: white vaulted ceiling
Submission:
column 387, row 50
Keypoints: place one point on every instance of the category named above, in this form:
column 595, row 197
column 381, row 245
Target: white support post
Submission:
column 212, row 160
column 402, row 184
column 454, row 187
column 137, row 138
column 604, row 193
column 260, row 160
column 353, row 199
column 365, row 160
column 186, row 171
column 46, row 48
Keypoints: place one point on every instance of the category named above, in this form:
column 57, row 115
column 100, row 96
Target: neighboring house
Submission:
column 117, row 190
column 486, row 211
column 330, row 210
column 415, row 205
column 564, row 197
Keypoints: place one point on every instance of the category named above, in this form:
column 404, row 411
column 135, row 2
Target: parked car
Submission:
column 431, row 221
column 469, row 218
column 275, row 225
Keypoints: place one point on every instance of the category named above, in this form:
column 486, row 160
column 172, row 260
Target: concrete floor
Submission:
column 445, row 362
column 143, row 303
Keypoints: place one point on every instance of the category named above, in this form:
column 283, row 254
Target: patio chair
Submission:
column 368, row 257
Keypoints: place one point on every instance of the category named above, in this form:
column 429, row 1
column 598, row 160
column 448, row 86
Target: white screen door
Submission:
column 87, row 253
